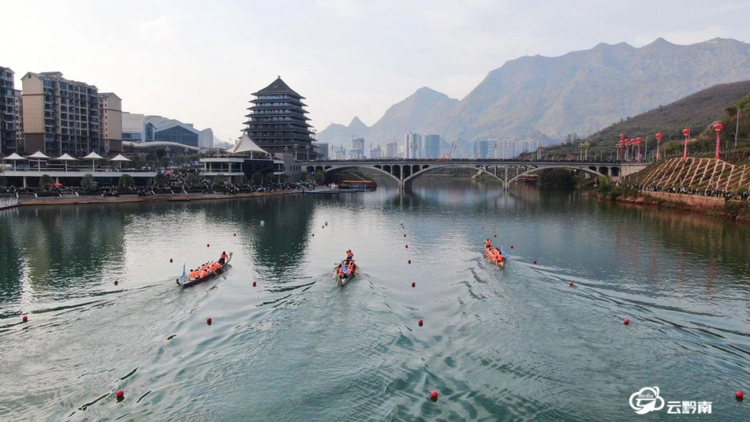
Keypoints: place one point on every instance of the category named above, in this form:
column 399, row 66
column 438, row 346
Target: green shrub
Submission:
column 45, row 181
column 88, row 182
column 126, row 181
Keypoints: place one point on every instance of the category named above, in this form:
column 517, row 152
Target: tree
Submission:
column 88, row 182
column 160, row 179
column 320, row 177
column 3, row 181
column 126, row 181
column 193, row 180
column 45, row 181
column 300, row 176
column 257, row 178
column 240, row 180
column 220, row 178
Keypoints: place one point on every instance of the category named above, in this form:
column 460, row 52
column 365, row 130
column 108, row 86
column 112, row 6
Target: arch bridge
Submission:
column 505, row 171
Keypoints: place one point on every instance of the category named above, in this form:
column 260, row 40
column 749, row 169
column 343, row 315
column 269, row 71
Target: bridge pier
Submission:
column 505, row 179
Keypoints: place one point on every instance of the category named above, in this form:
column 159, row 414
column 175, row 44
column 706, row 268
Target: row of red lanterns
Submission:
column 624, row 142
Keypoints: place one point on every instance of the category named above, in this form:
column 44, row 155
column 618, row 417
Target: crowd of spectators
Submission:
column 682, row 190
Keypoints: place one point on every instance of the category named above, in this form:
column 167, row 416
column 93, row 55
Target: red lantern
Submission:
column 685, row 132
column 638, row 141
column 718, row 127
column 658, row 137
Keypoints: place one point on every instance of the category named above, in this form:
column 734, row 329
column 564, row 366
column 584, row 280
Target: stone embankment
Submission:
column 82, row 200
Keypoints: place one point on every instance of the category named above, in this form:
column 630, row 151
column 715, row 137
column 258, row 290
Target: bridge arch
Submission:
column 427, row 168
column 535, row 169
column 330, row 169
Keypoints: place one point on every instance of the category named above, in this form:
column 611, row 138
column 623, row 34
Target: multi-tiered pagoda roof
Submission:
column 278, row 123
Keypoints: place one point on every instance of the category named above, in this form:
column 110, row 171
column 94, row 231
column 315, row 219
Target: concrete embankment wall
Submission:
column 694, row 200
column 154, row 198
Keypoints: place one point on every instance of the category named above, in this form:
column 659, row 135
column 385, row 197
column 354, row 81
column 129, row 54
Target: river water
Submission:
column 497, row 344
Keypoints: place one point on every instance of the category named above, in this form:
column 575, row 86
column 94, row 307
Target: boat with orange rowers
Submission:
column 186, row 281
column 495, row 256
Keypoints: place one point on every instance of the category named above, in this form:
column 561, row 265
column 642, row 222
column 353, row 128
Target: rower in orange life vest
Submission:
column 349, row 255
column 223, row 258
column 487, row 244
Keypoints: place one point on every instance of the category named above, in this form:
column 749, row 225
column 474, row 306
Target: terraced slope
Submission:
column 696, row 173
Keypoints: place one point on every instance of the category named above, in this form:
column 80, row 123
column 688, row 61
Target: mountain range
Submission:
column 579, row 92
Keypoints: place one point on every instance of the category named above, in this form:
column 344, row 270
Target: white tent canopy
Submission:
column 14, row 157
column 120, row 157
column 65, row 157
column 39, row 155
column 247, row 146
column 93, row 156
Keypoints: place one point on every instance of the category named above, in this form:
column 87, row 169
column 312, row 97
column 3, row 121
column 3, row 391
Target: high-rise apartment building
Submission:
column 432, row 146
column 391, row 150
column 60, row 116
column 322, row 150
column 413, row 145
column 481, row 149
column 8, row 112
column 277, row 121
column 110, row 118
column 376, row 153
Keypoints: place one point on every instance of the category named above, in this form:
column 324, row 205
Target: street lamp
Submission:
column 658, row 145
column 307, row 152
column 638, row 141
column 718, row 127
column 295, row 151
column 686, row 133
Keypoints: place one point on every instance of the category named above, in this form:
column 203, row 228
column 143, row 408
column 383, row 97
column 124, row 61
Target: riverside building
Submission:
column 8, row 112
column 60, row 116
column 277, row 122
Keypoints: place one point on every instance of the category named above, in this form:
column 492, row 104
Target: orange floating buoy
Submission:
column 410, row 261
column 421, row 322
column 535, row 261
column 170, row 260
column 25, row 318
column 571, row 284
column 255, row 283
column 626, row 322
column 511, row 246
column 407, row 246
column 208, row 245
column 739, row 396
column 120, row 395
column 209, row 320
column 495, row 235
column 404, row 234
column 413, row 284
column 117, row 282
column 434, row 396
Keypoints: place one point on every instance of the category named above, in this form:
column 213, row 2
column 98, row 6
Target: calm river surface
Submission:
column 497, row 344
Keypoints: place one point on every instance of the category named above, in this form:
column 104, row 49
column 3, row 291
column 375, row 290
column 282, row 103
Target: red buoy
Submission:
column 511, row 246
column 739, row 396
column 208, row 245
column 626, row 322
column 235, row 234
column 495, row 235
column 170, row 260
column 571, row 284
column 117, row 282
column 209, row 320
column 120, row 395
column 313, row 235
column 410, row 261
column 535, row 261
column 281, row 260
column 421, row 322
column 413, row 284
column 25, row 318
column 255, row 283
column 482, row 227
column 407, row 246
column 404, row 234
column 434, row 396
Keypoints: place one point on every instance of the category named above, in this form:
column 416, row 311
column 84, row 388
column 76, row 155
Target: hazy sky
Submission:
column 200, row 61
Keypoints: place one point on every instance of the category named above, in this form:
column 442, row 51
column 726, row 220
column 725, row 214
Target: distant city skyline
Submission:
column 202, row 62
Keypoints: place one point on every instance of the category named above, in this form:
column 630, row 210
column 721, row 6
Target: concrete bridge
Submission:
column 505, row 171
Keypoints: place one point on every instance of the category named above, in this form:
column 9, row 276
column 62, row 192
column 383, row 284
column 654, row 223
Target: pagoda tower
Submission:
column 277, row 122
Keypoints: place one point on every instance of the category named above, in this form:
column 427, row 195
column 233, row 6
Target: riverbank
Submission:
column 84, row 200
column 737, row 211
